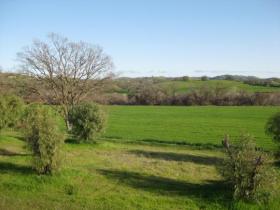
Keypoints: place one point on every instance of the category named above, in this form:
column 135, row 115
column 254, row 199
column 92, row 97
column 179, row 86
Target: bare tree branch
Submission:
column 71, row 70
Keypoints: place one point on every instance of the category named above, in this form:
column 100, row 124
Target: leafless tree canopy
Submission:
column 70, row 69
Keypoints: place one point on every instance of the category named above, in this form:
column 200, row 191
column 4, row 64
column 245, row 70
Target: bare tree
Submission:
column 69, row 70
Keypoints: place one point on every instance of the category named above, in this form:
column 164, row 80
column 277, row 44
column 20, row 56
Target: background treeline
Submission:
column 148, row 94
column 220, row 90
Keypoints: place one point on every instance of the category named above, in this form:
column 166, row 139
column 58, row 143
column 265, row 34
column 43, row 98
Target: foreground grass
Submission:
column 201, row 125
column 116, row 176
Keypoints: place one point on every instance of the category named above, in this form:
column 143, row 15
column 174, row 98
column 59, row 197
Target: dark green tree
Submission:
column 87, row 121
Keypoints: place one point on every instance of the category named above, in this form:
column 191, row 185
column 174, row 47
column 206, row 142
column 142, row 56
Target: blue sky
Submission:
column 155, row 37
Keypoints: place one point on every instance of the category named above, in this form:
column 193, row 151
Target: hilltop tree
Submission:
column 70, row 70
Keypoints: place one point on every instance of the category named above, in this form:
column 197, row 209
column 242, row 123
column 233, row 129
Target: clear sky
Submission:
column 155, row 37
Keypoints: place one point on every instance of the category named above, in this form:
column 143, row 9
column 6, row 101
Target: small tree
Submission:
column 185, row 78
column 247, row 170
column 204, row 78
column 273, row 127
column 11, row 108
column 43, row 138
column 87, row 121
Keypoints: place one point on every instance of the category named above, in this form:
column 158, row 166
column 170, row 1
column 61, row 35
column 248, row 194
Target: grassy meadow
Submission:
column 144, row 174
column 186, row 86
column 205, row 125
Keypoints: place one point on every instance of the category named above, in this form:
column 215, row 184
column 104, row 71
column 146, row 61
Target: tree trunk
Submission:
column 68, row 125
column 66, row 117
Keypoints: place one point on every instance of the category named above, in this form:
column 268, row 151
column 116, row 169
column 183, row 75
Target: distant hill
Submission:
column 219, row 90
column 185, row 84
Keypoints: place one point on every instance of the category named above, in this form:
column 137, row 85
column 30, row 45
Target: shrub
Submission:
column 247, row 170
column 43, row 138
column 204, row 78
column 273, row 127
column 70, row 189
column 87, row 121
column 185, row 78
column 11, row 108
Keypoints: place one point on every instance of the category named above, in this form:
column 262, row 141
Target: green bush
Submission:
column 87, row 121
column 43, row 138
column 185, row 78
column 204, row 78
column 273, row 127
column 11, row 108
column 247, row 170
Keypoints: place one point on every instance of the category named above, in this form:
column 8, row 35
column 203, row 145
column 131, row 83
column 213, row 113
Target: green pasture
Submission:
column 145, row 160
column 185, row 86
column 111, row 176
column 188, row 124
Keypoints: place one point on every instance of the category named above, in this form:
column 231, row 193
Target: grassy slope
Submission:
column 184, row 86
column 115, row 176
column 205, row 124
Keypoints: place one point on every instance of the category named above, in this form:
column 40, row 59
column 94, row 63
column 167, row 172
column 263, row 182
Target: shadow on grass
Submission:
column 152, row 142
column 179, row 157
column 184, row 143
column 277, row 163
column 76, row 141
column 71, row 141
column 15, row 135
column 21, row 138
column 6, row 167
column 210, row 191
column 5, row 152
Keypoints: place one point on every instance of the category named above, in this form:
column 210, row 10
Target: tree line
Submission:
column 148, row 93
column 140, row 92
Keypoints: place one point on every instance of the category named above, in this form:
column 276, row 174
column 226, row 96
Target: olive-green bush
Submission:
column 248, row 170
column 43, row 138
column 11, row 109
column 87, row 121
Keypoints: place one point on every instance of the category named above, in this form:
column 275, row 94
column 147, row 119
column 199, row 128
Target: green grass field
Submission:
column 185, row 86
column 188, row 125
column 116, row 174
